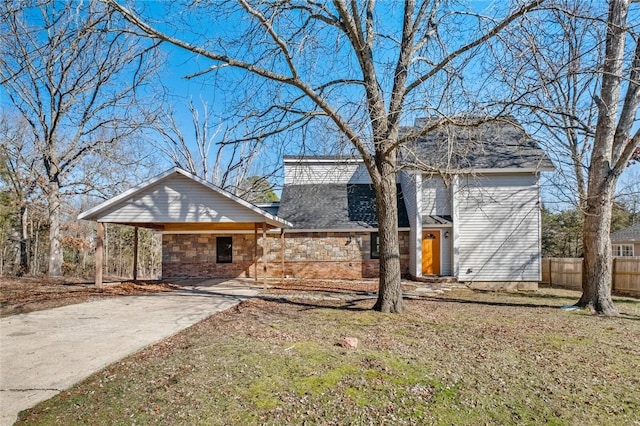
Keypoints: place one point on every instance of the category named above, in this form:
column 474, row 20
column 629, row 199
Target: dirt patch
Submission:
column 29, row 294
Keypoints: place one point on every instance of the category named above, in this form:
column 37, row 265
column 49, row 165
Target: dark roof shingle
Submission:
column 631, row 233
column 334, row 206
column 498, row 144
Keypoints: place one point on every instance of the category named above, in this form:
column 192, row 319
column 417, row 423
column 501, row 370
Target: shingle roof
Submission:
column 437, row 220
column 631, row 233
column 334, row 206
column 489, row 145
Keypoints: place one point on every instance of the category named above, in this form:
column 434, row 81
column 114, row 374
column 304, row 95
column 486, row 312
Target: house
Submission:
column 468, row 207
column 626, row 242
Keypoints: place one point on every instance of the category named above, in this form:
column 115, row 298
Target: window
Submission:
column 224, row 249
column 623, row 250
column 375, row 246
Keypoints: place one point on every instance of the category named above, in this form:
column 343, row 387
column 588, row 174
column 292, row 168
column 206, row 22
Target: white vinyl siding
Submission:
column 410, row 184
column 498, row 228
column 179, row 199
column 306, row 173
column 436, row 197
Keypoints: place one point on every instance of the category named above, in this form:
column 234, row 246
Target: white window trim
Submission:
column 623, row 250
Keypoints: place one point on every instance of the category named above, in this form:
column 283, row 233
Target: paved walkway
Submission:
column 45, row 352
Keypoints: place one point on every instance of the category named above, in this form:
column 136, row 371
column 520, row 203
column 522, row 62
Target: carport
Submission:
column 177, row 201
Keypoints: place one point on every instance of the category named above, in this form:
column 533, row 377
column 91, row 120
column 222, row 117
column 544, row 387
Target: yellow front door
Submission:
column 431, row 252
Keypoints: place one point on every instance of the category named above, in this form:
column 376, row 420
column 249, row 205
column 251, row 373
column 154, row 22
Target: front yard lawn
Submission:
column 459, row 358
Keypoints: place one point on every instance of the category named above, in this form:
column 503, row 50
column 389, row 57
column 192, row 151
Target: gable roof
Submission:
column 489, row 146
column 177, row 196
column 334, row 206
column 629, row 234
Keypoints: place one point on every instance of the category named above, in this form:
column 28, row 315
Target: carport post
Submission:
column 255, row 251
column 99, row 252
column 135, row 253
column 264, row 253
column 282, row 251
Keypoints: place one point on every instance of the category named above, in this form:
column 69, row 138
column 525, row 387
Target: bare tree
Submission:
column 613, row 147
column 78, row 85
column 208, row 151
column 578, row 81
column 361, row 66
column 551, row 62
column 18, row 179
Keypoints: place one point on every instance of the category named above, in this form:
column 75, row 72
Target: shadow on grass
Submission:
column 488, row 303
column 622, row 315
column 309, row 304
column 620, row 298
column 352, row 304
column 320, row 290
column 530, row 295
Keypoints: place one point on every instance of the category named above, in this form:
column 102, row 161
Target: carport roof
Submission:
column 179, row 199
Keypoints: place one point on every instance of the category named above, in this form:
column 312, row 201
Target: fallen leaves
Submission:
column 28, row 294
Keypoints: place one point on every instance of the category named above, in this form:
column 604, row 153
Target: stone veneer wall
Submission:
column 194, row 255
column 338, row 255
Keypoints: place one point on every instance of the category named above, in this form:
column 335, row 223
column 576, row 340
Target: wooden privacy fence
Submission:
column 567, row 272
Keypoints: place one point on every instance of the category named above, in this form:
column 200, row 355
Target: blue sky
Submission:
column 180, row 63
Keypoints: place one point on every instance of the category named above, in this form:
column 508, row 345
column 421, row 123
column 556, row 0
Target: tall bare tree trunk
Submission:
column 23, row 267
column 598, row 261
column 55, row 248
column 613, row 147
column 390, row 290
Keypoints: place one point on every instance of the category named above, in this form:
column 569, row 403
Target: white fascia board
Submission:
column 322, row 160
column 506, row 170
column 346, row 230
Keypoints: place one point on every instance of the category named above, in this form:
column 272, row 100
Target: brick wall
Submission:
column 307, row 255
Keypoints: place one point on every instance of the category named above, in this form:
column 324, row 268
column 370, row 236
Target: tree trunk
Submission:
column 597, row 268
column 390, row 290
column 612, row 149
column 55, row 249
column 23, row 267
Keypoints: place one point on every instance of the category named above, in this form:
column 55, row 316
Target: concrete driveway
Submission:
column 45, row 352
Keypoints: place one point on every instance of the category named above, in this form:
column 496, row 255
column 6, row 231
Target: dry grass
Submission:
column 461, row 358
